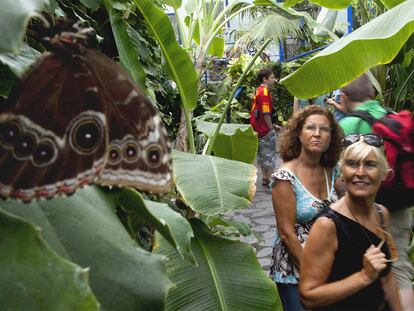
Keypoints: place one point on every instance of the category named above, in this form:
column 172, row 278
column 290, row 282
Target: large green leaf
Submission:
column 178, row 61
column 7, row 80
column 84, row 229
column 234, row 142
column 174, row 227
column 92, row 4
column 19, row 63
column 128, row 53
column 14, row 16
column 330, row 4
column 212, row 185
column 377, row 42
column 33, row 277
column 228, row 276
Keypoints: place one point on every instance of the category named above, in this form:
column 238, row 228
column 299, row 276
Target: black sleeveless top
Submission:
column 353, row 241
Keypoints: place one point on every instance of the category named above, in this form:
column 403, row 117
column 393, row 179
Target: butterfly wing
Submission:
column 76, row 119
column 139, row 154
column 51, row 140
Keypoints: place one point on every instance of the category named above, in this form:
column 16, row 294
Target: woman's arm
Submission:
column 284, row 204
column 296, row 106
column 318, row 257
column 390, row 287
column 389, row 284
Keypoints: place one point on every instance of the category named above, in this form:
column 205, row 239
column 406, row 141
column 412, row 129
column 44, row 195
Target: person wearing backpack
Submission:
column 261, row 121
column 364, row 112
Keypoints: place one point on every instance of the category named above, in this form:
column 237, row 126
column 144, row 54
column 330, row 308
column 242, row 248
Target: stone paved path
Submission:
column 261, row 219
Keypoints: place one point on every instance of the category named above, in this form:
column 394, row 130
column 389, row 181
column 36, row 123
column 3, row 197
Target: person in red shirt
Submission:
column 260, row 120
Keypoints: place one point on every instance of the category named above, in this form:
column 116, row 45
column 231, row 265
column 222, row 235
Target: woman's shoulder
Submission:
column 285, row 172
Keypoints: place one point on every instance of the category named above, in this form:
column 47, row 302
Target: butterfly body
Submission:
column 78, row 118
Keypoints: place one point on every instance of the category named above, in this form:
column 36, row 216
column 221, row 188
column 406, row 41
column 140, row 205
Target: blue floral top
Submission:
column 308, row 207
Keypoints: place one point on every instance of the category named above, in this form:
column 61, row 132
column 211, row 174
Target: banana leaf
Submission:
column 34, row 277
column 14, row 16
column 234, row 142
column 228, row 276
column 212, row 185
column 84, row 229
column 179, row 64
column 377, row 42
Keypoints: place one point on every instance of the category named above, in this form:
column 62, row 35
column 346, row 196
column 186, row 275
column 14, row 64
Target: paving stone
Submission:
column 241, row 218
column 266, row 221
column 261, row 228
column 270, row 234
column 229, row 214
column 264, row 262
column 248, row 210
column 267, row 242
column 251, row 239
column 263, row 205
column 265, row 252
column 263, row 213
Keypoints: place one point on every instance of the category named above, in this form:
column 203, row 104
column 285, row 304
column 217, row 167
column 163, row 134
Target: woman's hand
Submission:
column 373, row 263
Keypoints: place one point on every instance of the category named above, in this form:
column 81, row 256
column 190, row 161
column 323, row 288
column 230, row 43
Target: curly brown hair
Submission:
column 290, row 145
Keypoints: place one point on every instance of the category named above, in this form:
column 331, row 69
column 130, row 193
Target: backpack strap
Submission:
column 381, row 216
column 363, row 114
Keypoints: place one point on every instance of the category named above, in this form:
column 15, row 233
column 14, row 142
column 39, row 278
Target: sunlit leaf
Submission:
column 14, row 16
column 377, row 42
column 212, row 185
column 228, row 275
column 33, row 276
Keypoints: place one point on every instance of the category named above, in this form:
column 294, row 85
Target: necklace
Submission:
column 361, row 226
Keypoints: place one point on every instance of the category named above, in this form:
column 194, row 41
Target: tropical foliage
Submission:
column 98, row 238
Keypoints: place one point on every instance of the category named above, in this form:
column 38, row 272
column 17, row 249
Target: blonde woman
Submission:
column 346, row 263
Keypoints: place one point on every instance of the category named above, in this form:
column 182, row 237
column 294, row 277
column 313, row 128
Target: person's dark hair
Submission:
column 359, row 90
column 264, row 73
column 289, row 142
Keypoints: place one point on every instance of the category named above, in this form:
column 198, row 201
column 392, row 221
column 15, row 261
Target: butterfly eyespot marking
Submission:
column 153, row 155
column 44, row 154
column 114, row 155
column 86, row 134
column 10, row 133
column 24, row 146
column 130, row 152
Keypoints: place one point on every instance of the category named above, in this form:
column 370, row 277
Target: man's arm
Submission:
column 268, row 120
column 336, row 105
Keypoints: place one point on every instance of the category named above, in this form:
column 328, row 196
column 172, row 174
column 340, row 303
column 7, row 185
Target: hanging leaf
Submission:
column 33, row 276
column 228, row 276
column 377, row 42
column 85, row 230
column 128, row 53
column 92, row 4
column 234, row 142
column 20, row 63
column 173, row 227
column 216, row 47
column 212, row 185
column 178, row 61
column 14, row 16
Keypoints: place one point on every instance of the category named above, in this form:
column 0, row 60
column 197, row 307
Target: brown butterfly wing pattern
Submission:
column 138, row 149
column 75, row 120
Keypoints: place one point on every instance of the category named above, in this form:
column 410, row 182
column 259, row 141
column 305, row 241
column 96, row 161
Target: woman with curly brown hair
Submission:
column 302, row 188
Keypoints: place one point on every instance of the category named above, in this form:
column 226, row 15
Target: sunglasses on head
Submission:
column 370, row 139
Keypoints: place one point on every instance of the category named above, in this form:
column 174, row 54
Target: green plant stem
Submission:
column 397, row 98
column 190, row 134
column 228, row 103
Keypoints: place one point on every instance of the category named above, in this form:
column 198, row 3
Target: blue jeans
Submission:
column 289, row 295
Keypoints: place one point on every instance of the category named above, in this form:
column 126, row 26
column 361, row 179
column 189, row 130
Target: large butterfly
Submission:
column 77, row 118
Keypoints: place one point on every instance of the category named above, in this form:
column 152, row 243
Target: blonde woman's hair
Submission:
column 360, row 150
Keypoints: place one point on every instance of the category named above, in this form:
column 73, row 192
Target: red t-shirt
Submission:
column 262, row 101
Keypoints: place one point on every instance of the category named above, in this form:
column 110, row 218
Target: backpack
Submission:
column 397, row 130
